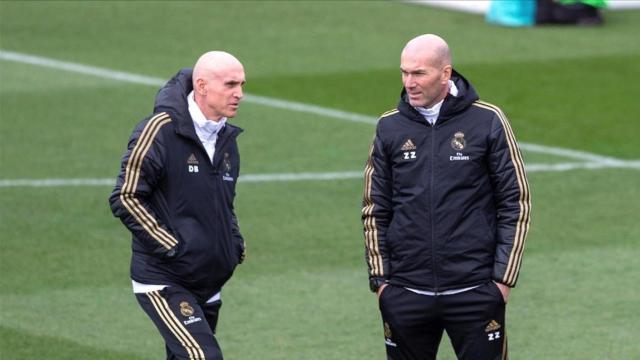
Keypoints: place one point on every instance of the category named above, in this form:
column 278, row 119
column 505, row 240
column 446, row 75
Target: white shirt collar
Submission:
column 206, row 129
column 453, row 89
column 431, row 114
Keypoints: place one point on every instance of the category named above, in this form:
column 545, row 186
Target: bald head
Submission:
column 425, row 64
column 218, row 79
column 214, row 63
column 432, row 48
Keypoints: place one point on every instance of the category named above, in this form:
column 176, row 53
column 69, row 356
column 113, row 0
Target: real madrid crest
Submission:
column 387, row 330
column 458, row 142
column 185, row 309
column 227, row 162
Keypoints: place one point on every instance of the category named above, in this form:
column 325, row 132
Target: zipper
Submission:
column 431, row 208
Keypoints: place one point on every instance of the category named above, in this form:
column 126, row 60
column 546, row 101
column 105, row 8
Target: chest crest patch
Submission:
column 226, row 163
column 458, row 142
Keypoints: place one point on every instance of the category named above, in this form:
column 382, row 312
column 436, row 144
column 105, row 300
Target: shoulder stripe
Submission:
column 388, row 113
column 522, row 226
column 132, row 175
column 372, row 246
column 177, row 329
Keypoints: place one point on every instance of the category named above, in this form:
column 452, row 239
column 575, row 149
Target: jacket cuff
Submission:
column 375, row 283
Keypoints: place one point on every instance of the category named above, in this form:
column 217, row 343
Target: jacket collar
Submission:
column 451, row 105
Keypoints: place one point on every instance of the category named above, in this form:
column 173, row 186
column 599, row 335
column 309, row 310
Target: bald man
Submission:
column 445, row 212
column 175, row 194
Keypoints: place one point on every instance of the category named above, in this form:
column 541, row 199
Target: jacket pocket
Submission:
column 496, row 292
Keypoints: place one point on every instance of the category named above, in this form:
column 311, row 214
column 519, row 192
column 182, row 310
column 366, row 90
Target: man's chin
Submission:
column 417, row 103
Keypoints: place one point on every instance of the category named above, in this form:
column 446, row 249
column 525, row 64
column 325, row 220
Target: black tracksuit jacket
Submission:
column 177, row 203
column 445, row 206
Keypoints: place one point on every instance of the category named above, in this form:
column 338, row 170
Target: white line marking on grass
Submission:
column 302, row 176
column 270, row 102
column 306, row 176
column 620, row 164
column 153, row 81
column 55, row 182
column 80, row 68
column 250, row 178
column 310, row 109
column 569, row 153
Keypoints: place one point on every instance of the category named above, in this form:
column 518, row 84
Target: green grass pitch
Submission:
column 303, row 293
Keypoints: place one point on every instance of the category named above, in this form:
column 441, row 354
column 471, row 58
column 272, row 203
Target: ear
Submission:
column 201, row 86
column 446, row 73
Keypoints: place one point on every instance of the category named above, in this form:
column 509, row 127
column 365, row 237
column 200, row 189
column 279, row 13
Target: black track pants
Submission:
column 474, row 321
column 187, row 327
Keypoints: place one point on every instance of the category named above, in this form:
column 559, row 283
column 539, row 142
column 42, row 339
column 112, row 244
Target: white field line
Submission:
column 620, row 164
column 596, row 161
column 569, row 153
column 153, row 81
column 80, row 68
column 310, row 109
column 250, row 178
column 307, row 176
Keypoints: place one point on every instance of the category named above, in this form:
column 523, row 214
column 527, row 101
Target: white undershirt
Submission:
column 207, row 131
column 446, row 292
column 431, row 114
column 139, row 288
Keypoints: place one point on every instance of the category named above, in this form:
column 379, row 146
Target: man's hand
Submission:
column 505, row 290
column 380, row 289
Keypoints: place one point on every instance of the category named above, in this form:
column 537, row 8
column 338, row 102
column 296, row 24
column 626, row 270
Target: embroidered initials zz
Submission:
column 494, row 335
column 409, row 155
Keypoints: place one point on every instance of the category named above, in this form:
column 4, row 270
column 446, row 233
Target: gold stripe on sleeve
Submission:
column 370, row 230
column 522, row 225
column 144, row 144
column 132, row 175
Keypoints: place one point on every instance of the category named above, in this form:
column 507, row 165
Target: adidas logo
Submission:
column 192, row 160
column 493, row 326
column 409, row 145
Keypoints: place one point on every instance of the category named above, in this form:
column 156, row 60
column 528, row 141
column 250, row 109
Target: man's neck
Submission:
column 443, row 95
column 209, row 116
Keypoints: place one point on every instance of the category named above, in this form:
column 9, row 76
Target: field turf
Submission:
column 303, row 293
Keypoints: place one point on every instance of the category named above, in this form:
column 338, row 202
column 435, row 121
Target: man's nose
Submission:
column 408, row 81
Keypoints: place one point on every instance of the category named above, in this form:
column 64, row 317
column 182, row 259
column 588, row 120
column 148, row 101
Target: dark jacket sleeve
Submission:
column 140, row 172
column 512, row 200
column 235, row 224
column 235, row 231
column 377, row 210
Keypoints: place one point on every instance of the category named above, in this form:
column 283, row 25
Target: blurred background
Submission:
column 75, row 78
